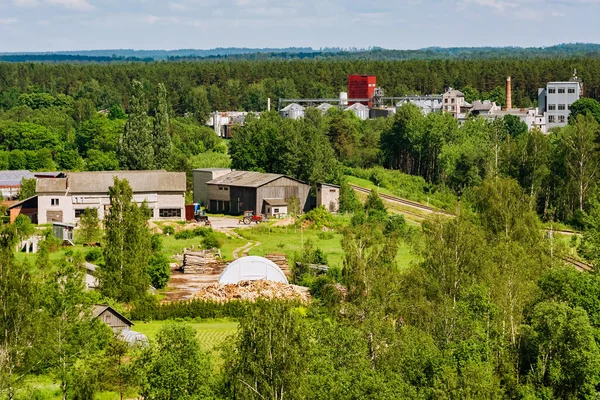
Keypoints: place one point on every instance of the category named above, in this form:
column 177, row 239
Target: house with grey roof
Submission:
column 233, row 192
column 65, row 199
column 10, row 183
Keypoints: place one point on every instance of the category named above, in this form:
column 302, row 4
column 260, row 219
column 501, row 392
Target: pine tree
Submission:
column 135, row 147
column 162, row 140
column 127, row 248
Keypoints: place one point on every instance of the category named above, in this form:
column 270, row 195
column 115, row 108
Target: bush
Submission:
column 156, row 242
column 211, row 241
column 185, row 234
column 319, row 216
column 93, row 255
column 159, row 270
column 168, row 230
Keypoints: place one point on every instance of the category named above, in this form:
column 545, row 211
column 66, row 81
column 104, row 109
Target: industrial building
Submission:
column 362, row 87
column 65, row 199
column 222, row 190
column 224, row 122
column 556, row 99
column 233, row 192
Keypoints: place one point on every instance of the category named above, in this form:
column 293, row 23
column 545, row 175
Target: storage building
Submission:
column 239, row 191
column 328, row 195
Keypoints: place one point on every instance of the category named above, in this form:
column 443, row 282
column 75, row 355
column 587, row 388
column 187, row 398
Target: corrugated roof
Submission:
column 244, row 179
column 276, row 202
column 358, row 107
column 13, row 178
column 293, row 107
column 99, row 182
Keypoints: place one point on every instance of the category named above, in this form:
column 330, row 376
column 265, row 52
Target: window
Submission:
column 551, row 119
column 571, row 90
column 561, row 90
column 225, row 188
column 551, row 107
column 551, row 90
column 446, row 101
column 54, row 202
column 561, row 119
column 276, row 211
column 79, row 212
column 452, row 101
column 561, row 107
column 220, row 188
column 169, row 213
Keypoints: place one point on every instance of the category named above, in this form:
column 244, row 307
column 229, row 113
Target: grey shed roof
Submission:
column 294, row 107
column 100, row 309
column 324, row 106
column 13, row 178
column 454, row 92
column 99, row 182
column 244, row 179
column 358, row 107
column 276, row 202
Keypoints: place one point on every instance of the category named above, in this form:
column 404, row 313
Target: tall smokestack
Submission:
column 508, row 93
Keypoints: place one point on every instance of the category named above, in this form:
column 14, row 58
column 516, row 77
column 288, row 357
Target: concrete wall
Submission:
column 201, row 189
column 48, row 213
column 283, row 188
column 329, row 197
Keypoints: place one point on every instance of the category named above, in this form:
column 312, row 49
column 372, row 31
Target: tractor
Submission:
column 201, row 217
column 250, row 217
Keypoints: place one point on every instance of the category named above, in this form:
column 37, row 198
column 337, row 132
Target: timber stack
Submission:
column 281, row 261
column 204, row 262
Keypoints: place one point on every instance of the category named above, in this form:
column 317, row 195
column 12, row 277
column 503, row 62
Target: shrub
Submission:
column 93, row 255
column 168, row 230
column 185, row 234
column 159, row 270
column 156, row 242
column 211, row 241
column 319, row 216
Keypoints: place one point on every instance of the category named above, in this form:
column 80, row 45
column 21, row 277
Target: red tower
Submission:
column 361, row 87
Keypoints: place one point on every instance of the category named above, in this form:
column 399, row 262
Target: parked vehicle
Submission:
column 201, row 217
column 250, row 217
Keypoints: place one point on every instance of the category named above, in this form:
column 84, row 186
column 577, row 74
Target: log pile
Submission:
column 254, row 290
column 203, row 262
column 281, row 261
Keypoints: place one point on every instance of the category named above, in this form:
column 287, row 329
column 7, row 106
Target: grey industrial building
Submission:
column 233, row 192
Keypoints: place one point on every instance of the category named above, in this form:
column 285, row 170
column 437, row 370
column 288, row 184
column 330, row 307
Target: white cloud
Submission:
column 8, row 21
column 26, row 3
column 82, row 5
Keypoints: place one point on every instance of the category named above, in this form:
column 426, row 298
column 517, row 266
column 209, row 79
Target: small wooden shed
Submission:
column 117, row 322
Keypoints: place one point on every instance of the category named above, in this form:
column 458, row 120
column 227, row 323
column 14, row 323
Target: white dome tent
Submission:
column 252, row 268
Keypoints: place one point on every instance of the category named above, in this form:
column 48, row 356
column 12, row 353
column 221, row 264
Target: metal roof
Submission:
column 252, row 268
column 293, row 107
column 99, row 182
column 276, row 202
column 13, row 178
column 244, row 179
column 357, row 107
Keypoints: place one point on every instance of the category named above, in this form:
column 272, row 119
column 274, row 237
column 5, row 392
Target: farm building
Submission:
column 28, row 207
column 238, row 191
column 65, row 199
column 328, row 196
column 252, row 268
column 117, row 322
column 293, row 111
column 201, row 176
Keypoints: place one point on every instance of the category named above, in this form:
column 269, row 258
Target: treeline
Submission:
column 244, row 85
column 587, row 50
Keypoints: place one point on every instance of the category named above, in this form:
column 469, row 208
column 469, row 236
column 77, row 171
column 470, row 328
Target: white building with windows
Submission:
column 555, row 100
column 65, row 199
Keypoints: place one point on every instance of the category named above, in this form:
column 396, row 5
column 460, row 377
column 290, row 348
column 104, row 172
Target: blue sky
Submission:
column 49, row 25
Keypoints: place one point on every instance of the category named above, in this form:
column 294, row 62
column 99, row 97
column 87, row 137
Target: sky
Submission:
column 53, row 25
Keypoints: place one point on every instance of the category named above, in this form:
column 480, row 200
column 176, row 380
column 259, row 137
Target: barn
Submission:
column 239, row 191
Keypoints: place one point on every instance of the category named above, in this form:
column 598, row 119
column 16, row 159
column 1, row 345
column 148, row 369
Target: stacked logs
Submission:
column 203, row 262
column 281, row 261
column 252, row 291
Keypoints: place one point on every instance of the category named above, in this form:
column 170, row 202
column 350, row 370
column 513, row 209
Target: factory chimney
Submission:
column 508, row 93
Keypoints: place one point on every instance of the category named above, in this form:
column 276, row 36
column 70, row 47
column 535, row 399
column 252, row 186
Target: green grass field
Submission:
column 172, row 246
column 210, row 333
column 290, row 240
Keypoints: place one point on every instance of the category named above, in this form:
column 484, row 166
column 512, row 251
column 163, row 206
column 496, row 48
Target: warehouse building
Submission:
column 233, row 192
column 65, row 199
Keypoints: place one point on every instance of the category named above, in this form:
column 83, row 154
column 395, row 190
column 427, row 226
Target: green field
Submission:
column 211, row 333
column 172, row 246
column 290, row 240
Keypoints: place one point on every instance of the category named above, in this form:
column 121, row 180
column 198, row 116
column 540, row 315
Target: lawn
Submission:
column 172, row 246
column 290, row 240
column 210, row 333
